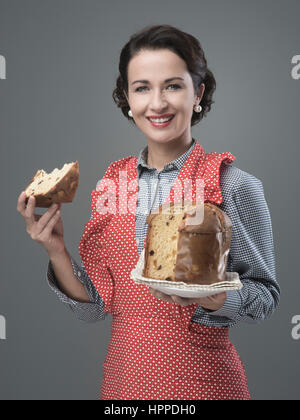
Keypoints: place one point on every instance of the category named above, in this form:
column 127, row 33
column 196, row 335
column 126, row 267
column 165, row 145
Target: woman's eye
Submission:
column 141, row 88
column 176, row 86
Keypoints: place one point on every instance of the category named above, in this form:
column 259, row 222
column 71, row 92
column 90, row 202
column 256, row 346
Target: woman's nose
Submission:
column 158, row 101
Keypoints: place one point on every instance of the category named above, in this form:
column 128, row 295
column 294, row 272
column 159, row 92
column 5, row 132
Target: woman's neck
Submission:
column 161, row 154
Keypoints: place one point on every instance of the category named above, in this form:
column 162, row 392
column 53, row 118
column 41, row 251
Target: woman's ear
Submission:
column 201, row 91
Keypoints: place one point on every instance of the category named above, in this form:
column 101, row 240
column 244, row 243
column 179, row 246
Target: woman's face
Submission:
column 150, row 95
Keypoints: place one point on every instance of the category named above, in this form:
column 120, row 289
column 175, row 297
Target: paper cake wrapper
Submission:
column 181, row 289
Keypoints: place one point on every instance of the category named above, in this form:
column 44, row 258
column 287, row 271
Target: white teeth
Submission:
column 160, row 120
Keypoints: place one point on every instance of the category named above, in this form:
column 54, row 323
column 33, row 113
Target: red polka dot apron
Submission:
column 156, row 351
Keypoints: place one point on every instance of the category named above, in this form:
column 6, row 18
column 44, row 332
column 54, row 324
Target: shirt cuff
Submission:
column 52, row 282
column 92, row 311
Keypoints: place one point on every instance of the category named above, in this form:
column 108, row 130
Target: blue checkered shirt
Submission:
column 251, row 252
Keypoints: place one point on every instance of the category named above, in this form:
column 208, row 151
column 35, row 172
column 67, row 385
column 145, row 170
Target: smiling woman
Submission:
column 163, row 347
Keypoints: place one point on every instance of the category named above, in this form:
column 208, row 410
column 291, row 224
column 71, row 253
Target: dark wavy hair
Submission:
column 186, row 46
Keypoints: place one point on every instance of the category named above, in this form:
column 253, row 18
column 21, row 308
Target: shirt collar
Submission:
column 175, row 164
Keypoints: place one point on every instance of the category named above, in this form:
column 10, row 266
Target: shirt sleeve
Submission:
column 87, row 312
column 251, row 255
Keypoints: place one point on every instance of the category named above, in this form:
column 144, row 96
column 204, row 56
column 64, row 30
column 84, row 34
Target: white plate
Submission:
column 232, row 282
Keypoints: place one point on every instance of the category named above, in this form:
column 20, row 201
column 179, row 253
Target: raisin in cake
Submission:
column 59, row 186
column 181, row 248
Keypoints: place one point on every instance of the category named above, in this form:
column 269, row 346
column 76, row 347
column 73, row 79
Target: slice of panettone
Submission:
column 59, row 186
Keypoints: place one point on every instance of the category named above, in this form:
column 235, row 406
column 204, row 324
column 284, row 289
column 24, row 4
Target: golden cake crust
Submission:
column 62, row 191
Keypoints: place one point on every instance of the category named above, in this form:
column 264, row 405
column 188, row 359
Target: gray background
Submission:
column 56, row 107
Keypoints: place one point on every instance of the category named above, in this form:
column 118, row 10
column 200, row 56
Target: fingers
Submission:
column 47, row 216
column 21, row 206
column 43, row 228
column 54, row 216
column 220, row 296
column 171, row 298
column 182, row 301
column 160, row 295
column 27, row 211
column 36, row 224
column 214, row 298
column 213, row 302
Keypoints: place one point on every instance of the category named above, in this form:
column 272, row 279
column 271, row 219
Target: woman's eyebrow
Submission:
column 147, row 81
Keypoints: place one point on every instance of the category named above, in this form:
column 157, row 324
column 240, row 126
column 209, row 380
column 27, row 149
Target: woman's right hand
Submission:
column 46, row 229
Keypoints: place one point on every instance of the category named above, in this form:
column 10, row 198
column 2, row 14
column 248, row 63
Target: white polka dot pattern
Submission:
column 244, row 202
column 156, row 351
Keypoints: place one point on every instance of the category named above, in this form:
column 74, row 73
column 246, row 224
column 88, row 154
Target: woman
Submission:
column 163, row 347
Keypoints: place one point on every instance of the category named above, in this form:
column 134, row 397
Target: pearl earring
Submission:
column 130, row 113
column 198, row 108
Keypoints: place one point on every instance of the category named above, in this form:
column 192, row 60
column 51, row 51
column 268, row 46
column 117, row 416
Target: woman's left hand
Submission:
column 212, row 303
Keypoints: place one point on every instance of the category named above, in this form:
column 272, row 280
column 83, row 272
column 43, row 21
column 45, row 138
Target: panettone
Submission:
column 183, row 245
column 59, row 186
